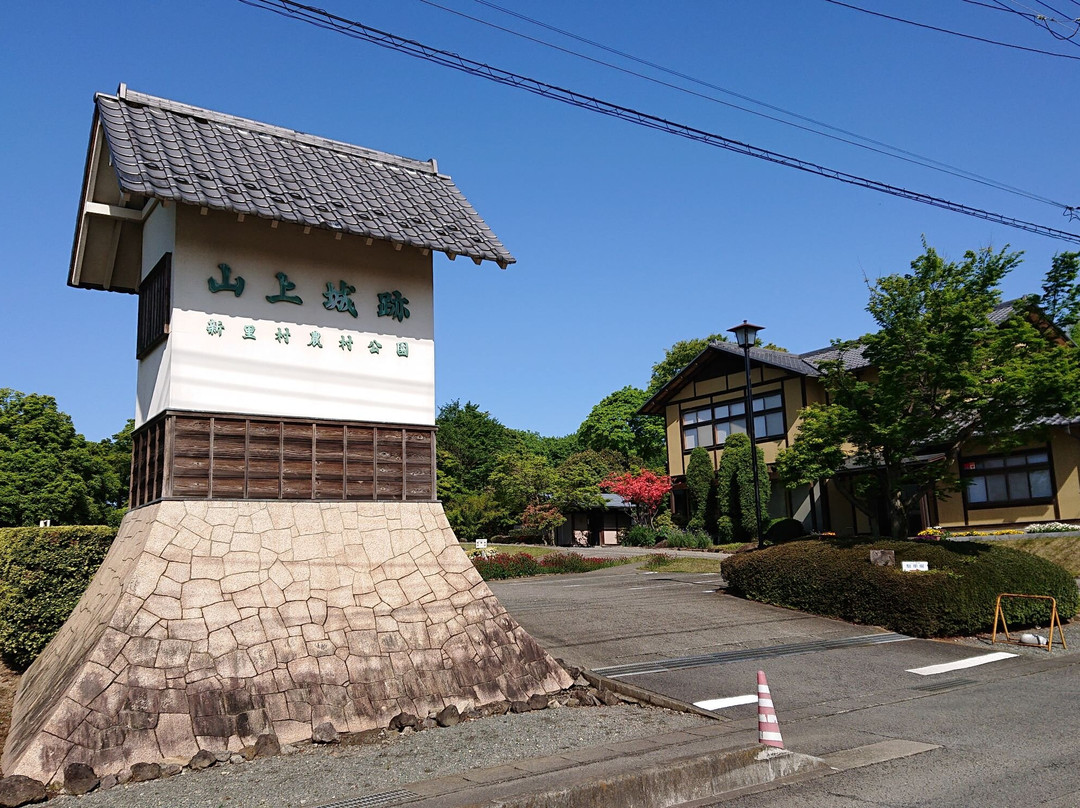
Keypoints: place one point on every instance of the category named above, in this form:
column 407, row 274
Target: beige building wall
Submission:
column 1065, row 459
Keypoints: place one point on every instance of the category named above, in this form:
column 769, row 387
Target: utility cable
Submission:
column 356, row 30
column 954, row 33
column 885, row 149
column 1040, row 20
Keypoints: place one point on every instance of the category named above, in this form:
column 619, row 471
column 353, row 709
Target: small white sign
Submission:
column 481, row 544
column 915, row 566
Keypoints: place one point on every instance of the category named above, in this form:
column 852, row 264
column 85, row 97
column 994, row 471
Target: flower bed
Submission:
column 521, row 565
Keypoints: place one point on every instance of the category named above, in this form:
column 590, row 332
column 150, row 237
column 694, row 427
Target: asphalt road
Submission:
column 996, row 734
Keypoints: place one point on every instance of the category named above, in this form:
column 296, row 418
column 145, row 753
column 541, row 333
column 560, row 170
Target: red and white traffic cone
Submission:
column 768, row 729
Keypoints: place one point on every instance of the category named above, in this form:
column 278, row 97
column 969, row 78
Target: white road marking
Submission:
column 970, row 662
column 730, row 701
column 639, row 673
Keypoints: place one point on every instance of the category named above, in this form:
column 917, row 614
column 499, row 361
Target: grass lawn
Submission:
column 665, row 562
column 1064, row 551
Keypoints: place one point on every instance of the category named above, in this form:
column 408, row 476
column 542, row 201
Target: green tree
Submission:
column 1061, row 294
column 474, row 439
column 943, row 375
column 677, row 357
column 478, row 516
column 50, row 471
column 700, row 483
column 578, row 478
column 521, row 478
column 556, row 450
column 615, row 425
column 735, row 488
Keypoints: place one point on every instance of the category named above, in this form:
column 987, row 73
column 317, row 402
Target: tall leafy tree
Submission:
column 943, row 374
column 50, row 471
column 578, row 478
column 615, row 425
column 474, row 439
column 1061, row 293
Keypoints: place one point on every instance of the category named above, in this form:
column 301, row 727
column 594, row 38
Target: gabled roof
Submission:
column 164, row 150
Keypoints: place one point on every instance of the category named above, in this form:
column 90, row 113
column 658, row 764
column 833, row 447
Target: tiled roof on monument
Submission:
column 166, row 150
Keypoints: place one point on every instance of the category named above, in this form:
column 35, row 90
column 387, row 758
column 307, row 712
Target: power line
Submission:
column 1038, row 19
column 885, row 149
column 356, row 30
column 954, row 33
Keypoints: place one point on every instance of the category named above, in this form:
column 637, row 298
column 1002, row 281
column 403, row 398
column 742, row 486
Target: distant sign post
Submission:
column 915, row 566
column 481, row 544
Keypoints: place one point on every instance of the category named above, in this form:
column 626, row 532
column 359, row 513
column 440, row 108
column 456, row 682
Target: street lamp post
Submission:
column 746, row 336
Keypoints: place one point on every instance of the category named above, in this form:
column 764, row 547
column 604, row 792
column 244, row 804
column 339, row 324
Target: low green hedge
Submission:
column 43, row 573
column 521, row 565
column 955, row 598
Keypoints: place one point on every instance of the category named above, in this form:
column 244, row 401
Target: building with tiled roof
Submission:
column 705, row 403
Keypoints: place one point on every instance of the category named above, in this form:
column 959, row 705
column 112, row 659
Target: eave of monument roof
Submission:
column 166, row 150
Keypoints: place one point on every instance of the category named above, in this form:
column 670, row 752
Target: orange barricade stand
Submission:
column 1054, row 620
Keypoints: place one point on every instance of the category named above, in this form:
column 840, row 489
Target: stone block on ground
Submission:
column 79, row 779
column 448, row 716
column 202, row 759
column 143, row 772
column 324, row 733
column 16, row 790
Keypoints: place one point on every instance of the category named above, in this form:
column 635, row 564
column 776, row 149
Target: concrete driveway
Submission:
column 990, row 733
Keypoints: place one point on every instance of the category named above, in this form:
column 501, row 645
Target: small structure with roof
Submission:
column 285, row 562
column 601, row 526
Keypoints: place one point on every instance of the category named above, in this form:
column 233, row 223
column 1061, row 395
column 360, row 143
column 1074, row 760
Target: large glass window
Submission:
column 711, row 426
column 1017, row 478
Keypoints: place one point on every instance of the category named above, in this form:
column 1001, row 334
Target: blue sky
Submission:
column 627, row 239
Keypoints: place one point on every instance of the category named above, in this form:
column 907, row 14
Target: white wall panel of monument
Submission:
column 351, row 349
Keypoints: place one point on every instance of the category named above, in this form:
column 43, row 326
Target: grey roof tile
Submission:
column 173, row 151
column 779, row 359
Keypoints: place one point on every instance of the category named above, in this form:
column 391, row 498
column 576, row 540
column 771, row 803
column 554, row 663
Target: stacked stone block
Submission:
column 211, row 623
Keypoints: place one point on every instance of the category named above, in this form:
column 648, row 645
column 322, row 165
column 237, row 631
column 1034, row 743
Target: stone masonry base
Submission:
column 210, row 623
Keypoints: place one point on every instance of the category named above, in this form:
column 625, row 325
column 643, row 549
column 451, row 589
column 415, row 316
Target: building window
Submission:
column 711, row 426
column 1013, row 479
column 155, row 307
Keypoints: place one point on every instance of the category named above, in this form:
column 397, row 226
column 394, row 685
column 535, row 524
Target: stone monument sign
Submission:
column 285, row 561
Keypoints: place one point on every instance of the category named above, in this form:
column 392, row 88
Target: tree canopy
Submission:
column 50, row 471
column 943, row 373
column 615, row 425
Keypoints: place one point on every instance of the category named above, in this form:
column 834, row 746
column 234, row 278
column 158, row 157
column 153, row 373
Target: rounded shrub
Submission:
column 955, row 598
column 639, row 536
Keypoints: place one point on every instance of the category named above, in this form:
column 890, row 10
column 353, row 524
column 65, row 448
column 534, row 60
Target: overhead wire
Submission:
column 883, row 148
column 323, row 19
column 953, row 33
column 1040, row 21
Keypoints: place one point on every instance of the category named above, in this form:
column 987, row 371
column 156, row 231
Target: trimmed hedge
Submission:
column 955, row 598
column 43, row 573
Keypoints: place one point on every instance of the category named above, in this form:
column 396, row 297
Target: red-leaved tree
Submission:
column 644, row 490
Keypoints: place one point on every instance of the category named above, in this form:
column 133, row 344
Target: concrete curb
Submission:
column 643, row 696
column 671, row 783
